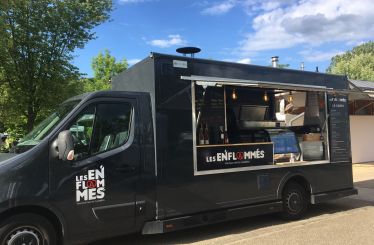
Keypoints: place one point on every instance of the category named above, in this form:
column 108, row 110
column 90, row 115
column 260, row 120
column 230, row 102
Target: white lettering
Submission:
column 91, row 174
column 219, row 157
column 247, row 155
column 224, row 156
column 91, row 186
column 100, row 193
column 100, row 173
column 82, row 194
column 262, row 154
column 100, row 183
column 92, row 194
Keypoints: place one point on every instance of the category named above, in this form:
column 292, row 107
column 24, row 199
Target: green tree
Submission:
column 105, row 66
column 357, row 63
column 36, row 46
column 283, row 65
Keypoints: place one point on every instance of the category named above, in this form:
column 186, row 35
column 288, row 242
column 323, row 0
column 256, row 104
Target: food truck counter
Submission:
column 273, row 146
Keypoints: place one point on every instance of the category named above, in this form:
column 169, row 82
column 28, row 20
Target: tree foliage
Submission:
column 36, row 46
column 105, row 66
column 283, row 65
column 357, row 63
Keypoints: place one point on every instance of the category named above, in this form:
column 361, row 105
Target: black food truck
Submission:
column 178, row 143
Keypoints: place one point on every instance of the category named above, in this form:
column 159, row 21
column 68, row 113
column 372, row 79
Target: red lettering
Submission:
column 91, row 184
column 240, row 155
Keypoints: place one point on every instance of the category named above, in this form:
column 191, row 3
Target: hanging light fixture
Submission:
column 290, row 97
column 266, row 97
column 234, row 96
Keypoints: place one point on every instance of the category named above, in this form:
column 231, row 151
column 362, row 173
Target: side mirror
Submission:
column 65, row 146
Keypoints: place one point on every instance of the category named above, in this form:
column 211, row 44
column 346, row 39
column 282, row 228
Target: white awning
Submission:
column 220, row 81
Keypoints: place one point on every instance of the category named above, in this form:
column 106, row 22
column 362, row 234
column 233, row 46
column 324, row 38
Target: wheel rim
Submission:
column 25, row 236
column 294, row 202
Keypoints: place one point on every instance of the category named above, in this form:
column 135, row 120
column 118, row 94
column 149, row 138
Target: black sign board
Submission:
column 339, row 129
column 222, row 157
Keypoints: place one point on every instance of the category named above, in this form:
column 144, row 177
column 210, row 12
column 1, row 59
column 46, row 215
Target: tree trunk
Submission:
column 31, row 116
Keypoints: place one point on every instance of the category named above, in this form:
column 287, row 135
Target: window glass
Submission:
column 82, row 130
column 111, row 126
column 45, row 127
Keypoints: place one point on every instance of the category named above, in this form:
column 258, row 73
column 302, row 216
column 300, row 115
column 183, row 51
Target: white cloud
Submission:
column 132, row 1
column 278, row 25
column 133, row 61
column 318, row 56
column 250, row 6
column 253, row 7
column 244, row 61
column 172, row 40
column 220, row 8
column 241, row 61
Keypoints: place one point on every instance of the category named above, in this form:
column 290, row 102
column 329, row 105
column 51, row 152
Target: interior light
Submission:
column 266, row 97
column 234, row 96
column 290, row 97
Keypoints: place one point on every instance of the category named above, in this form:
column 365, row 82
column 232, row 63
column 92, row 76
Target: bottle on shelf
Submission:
column 201, row 135
column 221, row 135
column 226, row 138
column 206, row 135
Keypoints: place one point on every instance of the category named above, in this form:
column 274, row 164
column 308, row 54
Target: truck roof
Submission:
column 235, row 64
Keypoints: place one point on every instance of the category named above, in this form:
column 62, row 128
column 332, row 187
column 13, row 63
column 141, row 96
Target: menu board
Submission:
column 222, row 157
column 340, row 150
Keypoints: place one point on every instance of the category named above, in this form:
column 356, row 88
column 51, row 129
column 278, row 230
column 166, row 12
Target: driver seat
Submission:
column 106, row 143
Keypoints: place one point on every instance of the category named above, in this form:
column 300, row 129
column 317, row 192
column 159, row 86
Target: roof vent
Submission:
column 274, row 61
column 302, row 67
column 188, row 50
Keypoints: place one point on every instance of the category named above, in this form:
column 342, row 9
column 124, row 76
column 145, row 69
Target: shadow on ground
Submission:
column 365, row 184
column 236, row 227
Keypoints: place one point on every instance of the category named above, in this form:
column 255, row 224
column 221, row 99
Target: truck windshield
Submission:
column 47, row 125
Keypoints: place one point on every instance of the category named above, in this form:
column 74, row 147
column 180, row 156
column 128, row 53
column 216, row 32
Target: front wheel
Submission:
column 27, row 229
column 295, row 201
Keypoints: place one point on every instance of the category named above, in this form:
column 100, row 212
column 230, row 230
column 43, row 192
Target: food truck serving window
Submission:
column 240, row 128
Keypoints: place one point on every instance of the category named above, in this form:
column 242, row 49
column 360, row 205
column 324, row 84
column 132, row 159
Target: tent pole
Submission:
column 224, row 106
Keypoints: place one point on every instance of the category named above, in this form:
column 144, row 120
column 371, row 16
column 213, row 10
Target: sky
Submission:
column 244, row 31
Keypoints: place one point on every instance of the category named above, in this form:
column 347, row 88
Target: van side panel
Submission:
column 179, row 192
column 146, row 189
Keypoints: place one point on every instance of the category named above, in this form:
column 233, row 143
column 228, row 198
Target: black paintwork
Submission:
column 181, row 193
column 5, row 156
column 37, row 178
column 140, row 189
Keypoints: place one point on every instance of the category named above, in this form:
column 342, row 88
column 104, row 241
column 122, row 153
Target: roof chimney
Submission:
column 317, row 69
column 274, row 61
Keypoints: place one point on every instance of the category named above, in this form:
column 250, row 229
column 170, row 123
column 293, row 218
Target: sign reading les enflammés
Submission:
column 234, row 156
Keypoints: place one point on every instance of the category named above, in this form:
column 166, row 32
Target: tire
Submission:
column 295, row 202
column 27, row 229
